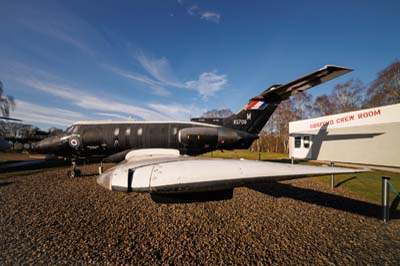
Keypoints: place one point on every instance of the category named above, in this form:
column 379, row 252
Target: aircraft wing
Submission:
column 9, row 118
column 284, row 91
column 170, row 172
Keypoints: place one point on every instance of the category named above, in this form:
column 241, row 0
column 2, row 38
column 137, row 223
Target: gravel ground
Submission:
column 46, row 218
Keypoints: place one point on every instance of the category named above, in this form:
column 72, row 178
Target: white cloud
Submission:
column 157, row 87
column 161, row 77
column 113, row 115
column 159, row 69
column 177, row 111
column 34, row 113
column 195, row 11
column 210, row 16
column 160, row 91
column 67, row 28
column 208, row 84
column 78, row 97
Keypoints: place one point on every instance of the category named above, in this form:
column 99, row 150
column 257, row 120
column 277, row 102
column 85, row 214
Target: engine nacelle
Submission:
column 206, row 137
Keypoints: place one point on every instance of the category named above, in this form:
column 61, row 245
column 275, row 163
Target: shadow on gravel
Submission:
column 4, row 184
column 395, row 204
column 323, row 199
column 89, row 175
column 30, row 165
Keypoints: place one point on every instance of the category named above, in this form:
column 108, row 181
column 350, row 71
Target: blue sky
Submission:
column 66, row 61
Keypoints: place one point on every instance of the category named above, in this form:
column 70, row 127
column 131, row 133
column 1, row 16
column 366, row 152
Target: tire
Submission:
column 71, row 173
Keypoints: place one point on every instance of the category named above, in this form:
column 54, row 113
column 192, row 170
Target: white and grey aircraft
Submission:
column 171, row 177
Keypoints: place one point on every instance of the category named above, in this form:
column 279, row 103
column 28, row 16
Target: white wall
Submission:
column 369, row 136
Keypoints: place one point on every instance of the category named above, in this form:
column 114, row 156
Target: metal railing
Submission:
column 386, row 187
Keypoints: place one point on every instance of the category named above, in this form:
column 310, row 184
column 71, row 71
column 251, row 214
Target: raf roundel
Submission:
column 74, row 142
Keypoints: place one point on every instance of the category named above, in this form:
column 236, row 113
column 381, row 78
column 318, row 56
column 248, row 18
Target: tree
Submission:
column 217, row 113
column 385, row 89
column 348, row 96
column 277, row 128
column 323, row 106
column 345, row 97
column 7, row 103
column 301, row 105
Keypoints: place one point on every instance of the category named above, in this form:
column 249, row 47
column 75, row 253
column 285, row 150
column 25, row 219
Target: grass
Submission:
column 245, row 154
column 13, row 156
column 367, row 185
column 21, row 173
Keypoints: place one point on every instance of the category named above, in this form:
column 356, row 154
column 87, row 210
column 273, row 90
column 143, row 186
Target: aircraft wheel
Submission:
column 71, row 173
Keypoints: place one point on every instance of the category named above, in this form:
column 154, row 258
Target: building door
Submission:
column 302, row 147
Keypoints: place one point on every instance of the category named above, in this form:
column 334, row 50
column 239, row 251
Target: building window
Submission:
column 128, row 132
column 297, row 142
column 306, row 142
column 139, row 131
column 116, row 131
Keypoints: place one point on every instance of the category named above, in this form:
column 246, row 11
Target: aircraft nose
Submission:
column 47, row 145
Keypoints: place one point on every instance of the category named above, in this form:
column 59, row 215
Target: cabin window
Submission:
column 139, row 131
column 128, row 132
column 116, row 131
column 174, row 131
column 297, row 142
column 306, row 142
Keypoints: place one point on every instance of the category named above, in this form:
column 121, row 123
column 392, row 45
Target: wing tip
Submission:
column 335, row 67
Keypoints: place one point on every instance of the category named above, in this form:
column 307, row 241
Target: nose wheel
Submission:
column 75, row 172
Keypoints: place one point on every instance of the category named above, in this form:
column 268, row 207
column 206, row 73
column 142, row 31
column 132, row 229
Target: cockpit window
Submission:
column 69, row 130
column 72, row 129
column 75, row 129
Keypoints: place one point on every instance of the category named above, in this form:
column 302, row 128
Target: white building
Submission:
column 369, row 136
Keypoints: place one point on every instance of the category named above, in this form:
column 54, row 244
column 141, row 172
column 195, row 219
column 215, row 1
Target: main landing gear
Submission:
column 75, row 172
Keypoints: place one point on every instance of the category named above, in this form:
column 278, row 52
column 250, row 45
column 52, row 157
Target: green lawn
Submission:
column 13, row 156
column 368, row 185
column 246, row 154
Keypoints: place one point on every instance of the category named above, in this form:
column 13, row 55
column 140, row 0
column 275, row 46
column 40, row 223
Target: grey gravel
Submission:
column 47, row 218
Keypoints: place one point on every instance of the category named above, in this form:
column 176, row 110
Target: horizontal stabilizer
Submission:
column 283, row 92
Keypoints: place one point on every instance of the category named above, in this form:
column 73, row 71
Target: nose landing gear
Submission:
column 75, row 172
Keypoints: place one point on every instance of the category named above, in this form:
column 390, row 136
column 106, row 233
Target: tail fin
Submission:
column 253, row 117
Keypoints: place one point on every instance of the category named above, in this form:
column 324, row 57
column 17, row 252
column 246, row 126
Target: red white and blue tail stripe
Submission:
column 256, row 105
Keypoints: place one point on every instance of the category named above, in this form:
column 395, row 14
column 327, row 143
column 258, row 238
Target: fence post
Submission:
column 385, row 198
column 332, row 177
column 259, row 156
column 101, row 168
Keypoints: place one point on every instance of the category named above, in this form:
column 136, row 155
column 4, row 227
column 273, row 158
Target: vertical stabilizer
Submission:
column 253, row 117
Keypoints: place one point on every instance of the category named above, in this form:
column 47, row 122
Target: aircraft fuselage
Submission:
column 104, row 139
